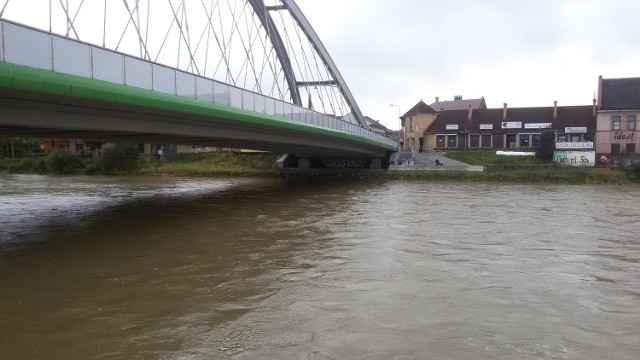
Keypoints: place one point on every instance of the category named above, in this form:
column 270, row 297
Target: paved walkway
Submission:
column 427, row 160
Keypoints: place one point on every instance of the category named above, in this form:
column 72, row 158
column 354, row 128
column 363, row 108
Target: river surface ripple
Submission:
column 170, row 268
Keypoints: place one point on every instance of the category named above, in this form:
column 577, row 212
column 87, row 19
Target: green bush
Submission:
column 633, row 171
column 24, row 166
column 64, row 162
column 547, row 145
column 120, row 158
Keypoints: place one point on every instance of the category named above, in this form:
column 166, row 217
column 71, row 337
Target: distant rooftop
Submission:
column 458, row 104
column 419, row 108
column 619, row 94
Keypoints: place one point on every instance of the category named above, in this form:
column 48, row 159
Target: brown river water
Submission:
column 170, row 268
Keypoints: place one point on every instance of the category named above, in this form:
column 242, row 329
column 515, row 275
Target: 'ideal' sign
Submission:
column 619, row 135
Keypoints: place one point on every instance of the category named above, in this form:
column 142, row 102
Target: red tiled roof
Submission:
column 568, row 116
column 419, row 108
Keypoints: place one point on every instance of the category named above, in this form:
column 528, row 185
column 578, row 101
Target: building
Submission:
column 511, row 128
column 74, row 145
column 380, row 129
column 414, row 123
column 458, row 104
column 421, row 117
column 618, row 138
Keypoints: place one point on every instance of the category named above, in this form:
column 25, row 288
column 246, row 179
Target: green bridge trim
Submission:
column 35, row 80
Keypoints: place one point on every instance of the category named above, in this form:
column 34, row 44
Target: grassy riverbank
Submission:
column 542, row 176
column 489, row 157
column 205, row 164
column 520, row 169
column 213, row 164
column 516, row 170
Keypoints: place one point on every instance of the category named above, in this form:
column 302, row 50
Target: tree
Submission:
column 120, row 158
column 95, row 146
column 18, row 147
column 547, row 145
column 64, row 162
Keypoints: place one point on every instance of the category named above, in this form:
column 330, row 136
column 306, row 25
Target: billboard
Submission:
column 575, row 158
column 574, row 145
column 576, row 130
column 512, row 124
column 538, row 126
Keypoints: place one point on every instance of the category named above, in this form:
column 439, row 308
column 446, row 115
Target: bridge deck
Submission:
column 41, row 102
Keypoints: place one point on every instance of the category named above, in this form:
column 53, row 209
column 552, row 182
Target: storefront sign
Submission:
column 619, row 135
column 575, row 145
column 538, row 126
column 575, row 130
column 512, row 125
column 452, row 127
column 575, row 158
column 486, row 126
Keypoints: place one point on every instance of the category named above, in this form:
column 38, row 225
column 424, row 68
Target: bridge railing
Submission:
column 51, row 52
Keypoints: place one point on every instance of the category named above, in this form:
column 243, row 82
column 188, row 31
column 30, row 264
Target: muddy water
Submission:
column 119, row 268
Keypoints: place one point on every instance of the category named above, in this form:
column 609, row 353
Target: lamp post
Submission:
column 399, row 115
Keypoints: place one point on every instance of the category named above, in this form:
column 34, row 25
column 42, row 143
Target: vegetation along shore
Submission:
column 122, row 159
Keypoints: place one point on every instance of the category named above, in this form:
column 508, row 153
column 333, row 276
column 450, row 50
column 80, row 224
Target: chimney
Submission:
column 470, row 113
column 555, row 110
column 457, row 97
column 437, row 99
column 504, row 112
column 595, row 107
column 600, row 92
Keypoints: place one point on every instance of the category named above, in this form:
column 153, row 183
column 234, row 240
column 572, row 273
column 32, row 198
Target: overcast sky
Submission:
column 524, row 53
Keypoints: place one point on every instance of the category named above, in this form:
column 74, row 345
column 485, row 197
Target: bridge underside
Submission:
column 25, row 114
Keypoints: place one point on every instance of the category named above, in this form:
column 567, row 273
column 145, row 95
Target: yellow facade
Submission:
column 414, row 129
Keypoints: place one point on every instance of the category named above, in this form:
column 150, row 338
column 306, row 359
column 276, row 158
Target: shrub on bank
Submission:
column 120, row 158
column 547, row 145
column 29, row 165
column 633, row 171
column 64, row 162
column 213, row 164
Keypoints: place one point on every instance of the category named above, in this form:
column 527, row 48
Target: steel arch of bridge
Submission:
column 269, row 48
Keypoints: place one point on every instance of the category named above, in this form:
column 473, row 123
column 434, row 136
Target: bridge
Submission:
column 231, row 73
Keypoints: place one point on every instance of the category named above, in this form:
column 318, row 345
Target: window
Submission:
column 575, row 138
column 631, row 122
column 524, row 140
column 631, row 149
column 535, row 140
column 452, row 141
column 615, row 122
column 410, row 124
column 615, row 149
column 441, row 141
column 486, row 140
column 589, row 137
column 562, row 137
column 474, row 141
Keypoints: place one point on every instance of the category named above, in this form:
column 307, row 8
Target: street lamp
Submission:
column 399, row 115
